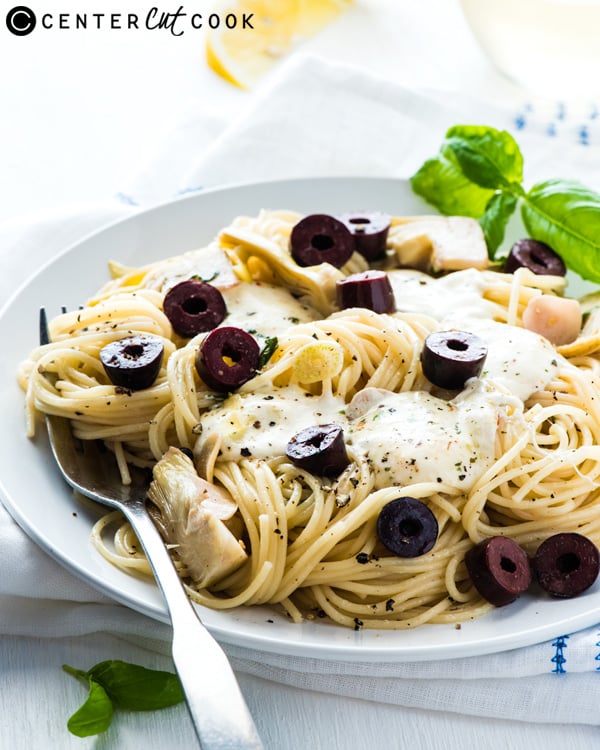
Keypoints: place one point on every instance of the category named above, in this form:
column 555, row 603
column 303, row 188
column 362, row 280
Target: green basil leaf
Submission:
column 94, row 716
column 498, row 211
column 136, row 688
column 441, row 182
column 566, row 216
column 271, row 343
column 488, row 157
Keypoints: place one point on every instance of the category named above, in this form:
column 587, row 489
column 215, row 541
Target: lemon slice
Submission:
column 243, row 55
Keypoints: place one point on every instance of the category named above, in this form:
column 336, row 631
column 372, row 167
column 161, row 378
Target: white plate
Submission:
column 42, row 504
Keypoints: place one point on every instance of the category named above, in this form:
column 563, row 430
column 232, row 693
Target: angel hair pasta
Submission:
column 514, row 452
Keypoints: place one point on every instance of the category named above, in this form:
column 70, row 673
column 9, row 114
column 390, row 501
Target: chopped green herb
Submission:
column 268, row 350
column 197, row 277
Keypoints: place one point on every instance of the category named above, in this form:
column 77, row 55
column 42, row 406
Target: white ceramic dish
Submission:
column 41, row 503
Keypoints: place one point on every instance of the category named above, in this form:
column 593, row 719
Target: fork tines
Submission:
column 44, row 332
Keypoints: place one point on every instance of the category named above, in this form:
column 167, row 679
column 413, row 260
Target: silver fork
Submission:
column 221, row 718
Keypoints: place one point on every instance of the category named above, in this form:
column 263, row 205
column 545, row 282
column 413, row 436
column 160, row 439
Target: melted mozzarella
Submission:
column 406, row 437
column 262, row 424
column 519, row 360
column 264, row 310
column 417, row 292
column 416, row 437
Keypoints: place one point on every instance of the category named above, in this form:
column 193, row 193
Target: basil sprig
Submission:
column 478, row 172
column 118, row 684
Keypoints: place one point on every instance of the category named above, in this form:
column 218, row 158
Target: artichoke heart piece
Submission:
column 193, row 514
column 264, row 260
column 208, row 264
column 438, row 243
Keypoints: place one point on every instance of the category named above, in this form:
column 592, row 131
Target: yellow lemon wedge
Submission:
column 243, row 54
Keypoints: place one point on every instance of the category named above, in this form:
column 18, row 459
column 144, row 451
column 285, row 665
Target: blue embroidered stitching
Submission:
column 520, row 121
column 597, row 658
column 186, row 190
column 124, row 198
column 559, row 658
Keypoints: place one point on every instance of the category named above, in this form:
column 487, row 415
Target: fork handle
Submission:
column 221, row 718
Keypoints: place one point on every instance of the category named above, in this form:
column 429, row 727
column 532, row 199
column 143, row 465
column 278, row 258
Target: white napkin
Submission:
column 315, row 118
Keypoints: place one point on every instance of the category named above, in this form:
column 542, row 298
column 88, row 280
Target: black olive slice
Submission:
column 369, row 289
column 370, row 231
column 133, row 362
column 499, row 569
column 566, row 564
column 194, row 307
column 319, row 449
column 407, row 527
column 450, row 358
column 227, row 358
column 538, row 257
column 320, row 238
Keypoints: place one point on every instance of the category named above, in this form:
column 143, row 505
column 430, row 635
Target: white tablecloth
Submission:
column 88, row 120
